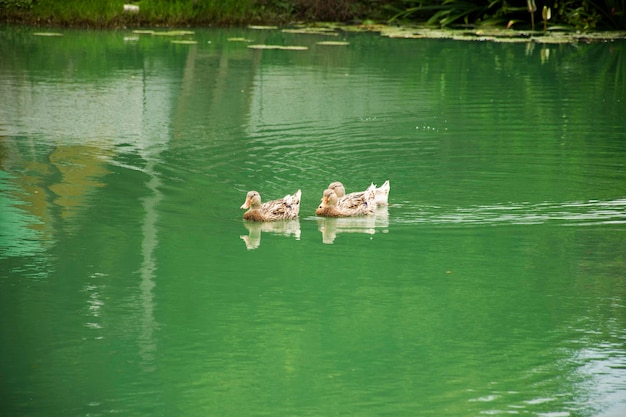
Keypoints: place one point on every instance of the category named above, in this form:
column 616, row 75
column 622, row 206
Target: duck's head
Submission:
column 338, row 188
column 253, row 200
column 329, row 198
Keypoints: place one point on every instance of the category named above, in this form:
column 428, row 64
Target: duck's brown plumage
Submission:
column 353, row 200
column 329, row 207
column 285, row 208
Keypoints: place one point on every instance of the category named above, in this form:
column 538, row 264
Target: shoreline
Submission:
column 498, row 18
column 475, row 34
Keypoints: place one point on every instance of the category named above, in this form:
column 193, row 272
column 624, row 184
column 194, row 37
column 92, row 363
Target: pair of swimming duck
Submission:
column 335, row 203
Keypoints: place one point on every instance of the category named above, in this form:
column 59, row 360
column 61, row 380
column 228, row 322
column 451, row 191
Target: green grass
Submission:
column 202, row 11
column 73, row 11
column 107, row 13
column 573, row 14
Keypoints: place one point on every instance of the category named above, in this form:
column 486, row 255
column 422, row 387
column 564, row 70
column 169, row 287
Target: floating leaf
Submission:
column 239, row 40
column 295, row 48
column 185, row 42
column 333, row 43
column 173, row 33
column 257, row 27
column 264, row 46
column 143, row 32
column 287, row 48
column 311, row 32
column 47, row 34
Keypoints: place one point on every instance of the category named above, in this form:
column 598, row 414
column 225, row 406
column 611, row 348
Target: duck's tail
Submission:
column 370, row 193
column 382, row 194
column 294, row 201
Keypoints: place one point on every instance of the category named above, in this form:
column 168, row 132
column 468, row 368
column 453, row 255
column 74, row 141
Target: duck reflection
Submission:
column 282, row 227
column 332, row 226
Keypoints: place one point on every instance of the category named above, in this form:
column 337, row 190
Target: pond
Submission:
column 493, row 284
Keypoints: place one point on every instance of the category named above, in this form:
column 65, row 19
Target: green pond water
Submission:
column 493, row 284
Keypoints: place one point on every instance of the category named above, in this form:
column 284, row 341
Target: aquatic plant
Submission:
column 447, row 12
column 546, row 14
column 577, row 14
column 532, row 8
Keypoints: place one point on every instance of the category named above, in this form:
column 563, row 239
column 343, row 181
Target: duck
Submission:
column 285, row 208
column 363, row 207
column 352, row 199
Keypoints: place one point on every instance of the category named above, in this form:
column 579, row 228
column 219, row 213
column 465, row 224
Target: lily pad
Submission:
column 173, row 33
column 264, row 46
column 295, row 48
column 311, row 31
column 491, row 34
column 50, row 34
column 334, row 43
column 258, row 27
column 287, row 48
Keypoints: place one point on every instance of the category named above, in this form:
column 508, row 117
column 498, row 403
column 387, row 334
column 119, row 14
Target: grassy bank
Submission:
column 549, row 14
column 112, row 13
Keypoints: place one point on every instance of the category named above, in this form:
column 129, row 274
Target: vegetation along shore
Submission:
column 538, row 15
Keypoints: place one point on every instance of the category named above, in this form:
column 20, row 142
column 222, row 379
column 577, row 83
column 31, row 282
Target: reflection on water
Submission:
column 149, row 265
column 285, row 228
column 81, row 168
column 121, row 171
column 331, row 227
column 19, row 234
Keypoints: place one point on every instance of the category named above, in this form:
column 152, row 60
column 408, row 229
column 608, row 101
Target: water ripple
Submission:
column 582, row 213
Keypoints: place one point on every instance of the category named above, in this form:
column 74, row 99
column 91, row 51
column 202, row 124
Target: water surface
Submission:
column 493, row 284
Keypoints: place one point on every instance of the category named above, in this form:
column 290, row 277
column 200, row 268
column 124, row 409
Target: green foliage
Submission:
column 447, row 12
column 576, row 14
column 111, row 13
column 337, row 10
column 15, row 9
column 591, row 14
column 197, row 11
column 15, row 5
column 77, row 10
